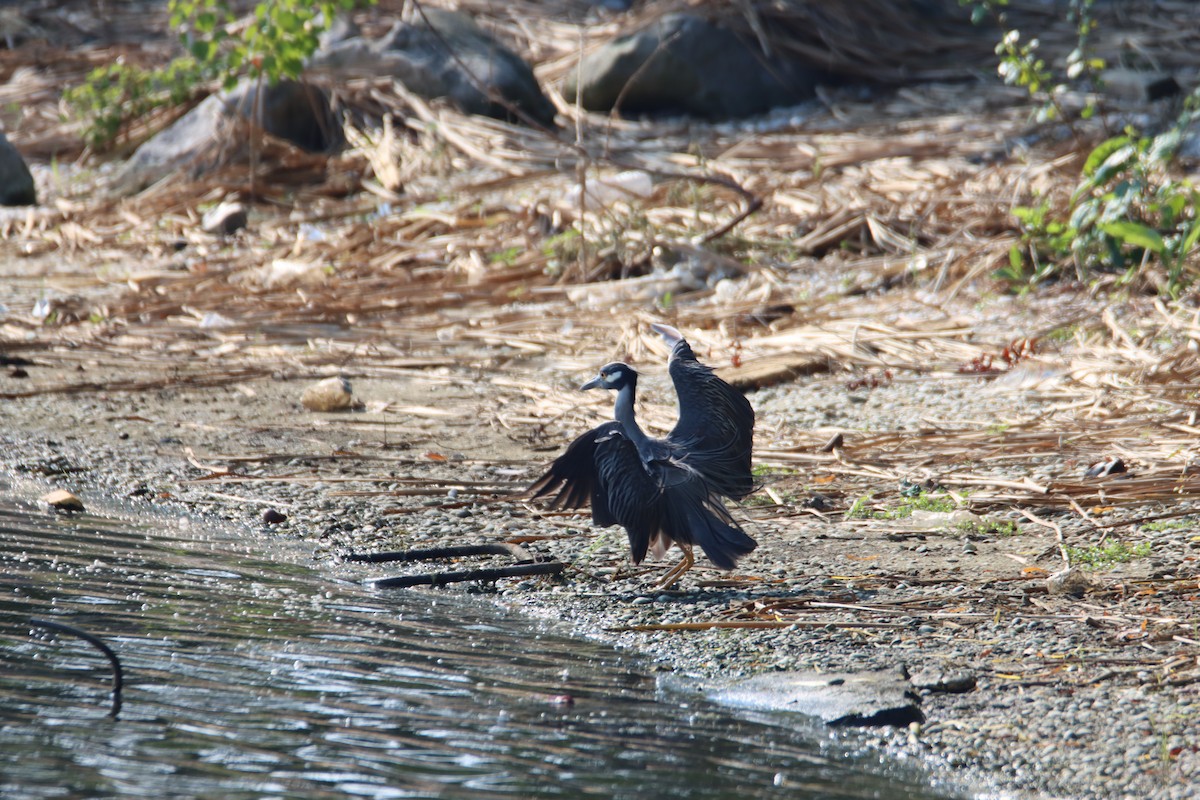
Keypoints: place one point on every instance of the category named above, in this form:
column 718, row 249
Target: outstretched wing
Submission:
column 573, row 480
column 602, row 467
column 715, row 431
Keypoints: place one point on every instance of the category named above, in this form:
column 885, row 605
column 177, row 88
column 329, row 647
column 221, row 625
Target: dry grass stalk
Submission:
column 470, row 251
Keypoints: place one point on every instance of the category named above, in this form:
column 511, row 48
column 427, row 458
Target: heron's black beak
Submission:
column 594, row 383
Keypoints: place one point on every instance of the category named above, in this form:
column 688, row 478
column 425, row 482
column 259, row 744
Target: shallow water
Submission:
column 252, row 678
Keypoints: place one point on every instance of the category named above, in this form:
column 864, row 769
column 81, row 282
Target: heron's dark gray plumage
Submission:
column 664, row 490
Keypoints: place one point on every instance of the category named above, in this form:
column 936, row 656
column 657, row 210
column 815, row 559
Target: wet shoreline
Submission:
column 250, row 672
column 1051, row 715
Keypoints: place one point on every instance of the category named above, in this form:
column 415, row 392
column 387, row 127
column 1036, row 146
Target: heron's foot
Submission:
column 676, row 572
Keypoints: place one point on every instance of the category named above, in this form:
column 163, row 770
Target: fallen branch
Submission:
column 443, row 578
column 142, row 386
column 781, row 623
column 1058, row 534
column 527, row 564
column 459, row 551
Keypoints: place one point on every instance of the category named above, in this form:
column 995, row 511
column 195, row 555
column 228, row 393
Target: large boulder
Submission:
column 207, row 135
column 443, row 54
column 684, row 64
column 16, row 182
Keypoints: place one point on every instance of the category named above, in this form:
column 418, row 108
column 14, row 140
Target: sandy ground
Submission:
column 147, row 362
column 1090, row 695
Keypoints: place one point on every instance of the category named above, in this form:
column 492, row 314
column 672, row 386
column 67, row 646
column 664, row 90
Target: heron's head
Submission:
column 613, row 376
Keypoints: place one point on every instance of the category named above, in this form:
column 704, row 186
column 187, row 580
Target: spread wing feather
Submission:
column 715, row 431
column 572, row 478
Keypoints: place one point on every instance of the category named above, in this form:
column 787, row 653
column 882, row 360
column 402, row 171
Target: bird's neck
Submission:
column 624, row 415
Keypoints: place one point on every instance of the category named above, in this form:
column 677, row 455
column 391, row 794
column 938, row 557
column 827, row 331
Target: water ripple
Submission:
column 248, row 678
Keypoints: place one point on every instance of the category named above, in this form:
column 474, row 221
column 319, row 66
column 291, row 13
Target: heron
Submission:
column 670, row 490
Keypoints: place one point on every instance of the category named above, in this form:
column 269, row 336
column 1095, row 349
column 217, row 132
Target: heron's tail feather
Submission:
column 721, row 539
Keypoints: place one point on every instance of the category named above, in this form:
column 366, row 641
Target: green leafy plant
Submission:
column 921, row 501
column 1169, row 525
column 280, row 37
column 924, row 502
column 860, row 509
column 1106, row 556
column 987, row 525
column 507, row 256
column 1044, row 241
column 1128, row 210
column 1021, row 65
column 1126, row 214
column 116, row 93
column 771, row 471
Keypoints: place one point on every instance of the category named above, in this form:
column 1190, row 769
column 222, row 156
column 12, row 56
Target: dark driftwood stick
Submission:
column 442, row 578
column 118, row 675
column 752, row 623
column 498, row 548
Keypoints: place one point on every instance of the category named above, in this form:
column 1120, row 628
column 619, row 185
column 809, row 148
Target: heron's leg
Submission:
column 679, row 570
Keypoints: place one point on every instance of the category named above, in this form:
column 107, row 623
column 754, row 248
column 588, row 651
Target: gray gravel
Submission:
column 1075, row 697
